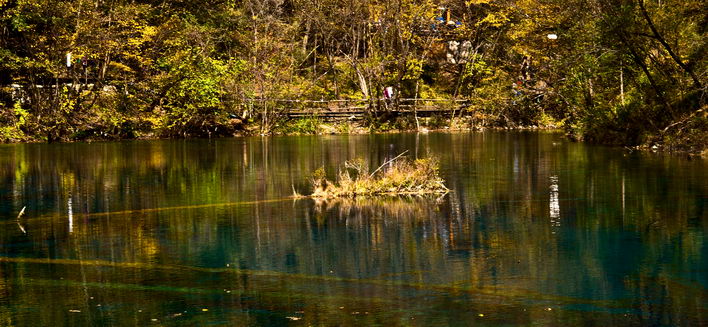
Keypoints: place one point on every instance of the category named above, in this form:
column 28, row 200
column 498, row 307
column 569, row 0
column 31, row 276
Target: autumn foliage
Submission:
column 623, row 72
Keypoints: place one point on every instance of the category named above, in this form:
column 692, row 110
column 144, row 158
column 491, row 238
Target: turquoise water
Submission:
column 537, row 231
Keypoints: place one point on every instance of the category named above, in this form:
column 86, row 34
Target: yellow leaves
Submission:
column 149, row 31
column 375, row 12
column 496, row 19
column 414, row 68
column 477, row 2
column 121, row 67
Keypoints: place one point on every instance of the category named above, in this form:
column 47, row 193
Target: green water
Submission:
column 537, row 231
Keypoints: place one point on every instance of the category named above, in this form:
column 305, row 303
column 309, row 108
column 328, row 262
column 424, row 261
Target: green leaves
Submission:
column 182, row 67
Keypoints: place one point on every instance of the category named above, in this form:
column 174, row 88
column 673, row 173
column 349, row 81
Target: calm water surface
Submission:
column 537, row 231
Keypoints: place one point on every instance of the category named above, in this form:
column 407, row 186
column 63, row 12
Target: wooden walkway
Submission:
column 336, row 110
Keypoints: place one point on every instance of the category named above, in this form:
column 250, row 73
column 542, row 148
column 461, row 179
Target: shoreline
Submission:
column 357, row 128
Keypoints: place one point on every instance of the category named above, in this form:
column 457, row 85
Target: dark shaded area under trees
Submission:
column 629, row 72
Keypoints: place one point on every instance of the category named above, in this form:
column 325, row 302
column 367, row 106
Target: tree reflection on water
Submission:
column 534, row 232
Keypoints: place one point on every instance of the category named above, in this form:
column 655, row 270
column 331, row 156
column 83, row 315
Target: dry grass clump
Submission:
column 395, row 177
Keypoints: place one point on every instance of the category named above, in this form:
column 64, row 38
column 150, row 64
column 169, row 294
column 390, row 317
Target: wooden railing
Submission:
column 356, row 108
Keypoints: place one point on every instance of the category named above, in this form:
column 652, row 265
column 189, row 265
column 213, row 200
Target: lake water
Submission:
column 536, row 231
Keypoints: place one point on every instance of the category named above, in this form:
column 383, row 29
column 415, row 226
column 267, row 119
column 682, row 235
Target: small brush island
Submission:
column 398, row 176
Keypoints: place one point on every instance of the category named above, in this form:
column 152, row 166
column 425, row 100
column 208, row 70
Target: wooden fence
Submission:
column 356, row 109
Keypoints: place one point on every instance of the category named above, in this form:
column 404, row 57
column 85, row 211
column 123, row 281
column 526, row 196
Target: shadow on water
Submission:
column 536, row 231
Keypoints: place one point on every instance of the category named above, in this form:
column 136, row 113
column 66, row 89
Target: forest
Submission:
column 620, row 72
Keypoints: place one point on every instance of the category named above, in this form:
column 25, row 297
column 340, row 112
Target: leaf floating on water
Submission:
column 294, row 318
column 74, row 311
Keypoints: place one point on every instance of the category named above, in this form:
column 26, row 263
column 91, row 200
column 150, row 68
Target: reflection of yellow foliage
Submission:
column 147, row 245
column 68, row 180
column 398, row 207
column 157, row 159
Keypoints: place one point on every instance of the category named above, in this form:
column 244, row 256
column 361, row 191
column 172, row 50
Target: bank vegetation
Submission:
column 628, row 72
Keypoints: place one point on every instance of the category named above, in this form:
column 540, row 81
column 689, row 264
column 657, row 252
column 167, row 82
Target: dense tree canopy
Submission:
column 624, row 72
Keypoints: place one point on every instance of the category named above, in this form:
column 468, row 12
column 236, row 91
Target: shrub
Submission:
column 395, row 177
